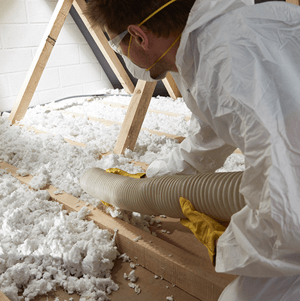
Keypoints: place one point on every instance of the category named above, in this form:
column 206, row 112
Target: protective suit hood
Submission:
column 201, row 13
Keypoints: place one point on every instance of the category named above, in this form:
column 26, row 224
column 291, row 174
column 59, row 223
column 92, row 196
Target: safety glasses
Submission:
column 115, row 42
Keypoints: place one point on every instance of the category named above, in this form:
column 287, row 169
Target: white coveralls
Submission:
column 239, row 73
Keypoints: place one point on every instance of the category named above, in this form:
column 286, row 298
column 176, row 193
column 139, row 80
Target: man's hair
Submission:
column 117, row 15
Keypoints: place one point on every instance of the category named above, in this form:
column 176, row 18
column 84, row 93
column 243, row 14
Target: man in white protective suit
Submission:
column 237, row 66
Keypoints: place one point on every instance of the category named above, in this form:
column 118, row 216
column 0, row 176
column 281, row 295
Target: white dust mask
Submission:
column 141, row 73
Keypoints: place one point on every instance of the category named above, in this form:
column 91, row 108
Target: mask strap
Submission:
column 165, row 52
column 158, row 10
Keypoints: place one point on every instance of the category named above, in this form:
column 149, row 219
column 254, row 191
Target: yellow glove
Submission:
column 121, row 172
column 205, row 228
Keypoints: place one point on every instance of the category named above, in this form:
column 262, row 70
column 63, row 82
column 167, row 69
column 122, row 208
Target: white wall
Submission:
column 72, row 68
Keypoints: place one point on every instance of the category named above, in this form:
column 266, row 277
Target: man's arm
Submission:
column 201, row 152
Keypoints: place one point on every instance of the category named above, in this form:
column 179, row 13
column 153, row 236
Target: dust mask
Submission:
column 141, row 73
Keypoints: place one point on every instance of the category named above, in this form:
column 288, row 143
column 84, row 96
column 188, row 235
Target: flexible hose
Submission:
column 215, row 194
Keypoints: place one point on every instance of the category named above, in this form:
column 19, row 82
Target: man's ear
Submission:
column 139, row 35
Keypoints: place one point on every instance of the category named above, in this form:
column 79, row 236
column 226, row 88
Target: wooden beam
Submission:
column 171, row 86
column 297, row 2
column 135, row 116
column 41, row 58
column 110, row 123
column 117, row 105
column 190, row 272
column 3, row 297
column 108, row 53
column 143, row 165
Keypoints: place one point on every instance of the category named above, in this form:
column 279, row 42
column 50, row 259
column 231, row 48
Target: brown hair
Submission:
column 117, row 15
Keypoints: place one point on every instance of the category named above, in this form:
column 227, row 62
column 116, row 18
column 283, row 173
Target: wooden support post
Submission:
column 108, row 53
column 135, row 116
column 171, row 86
column 39, row 63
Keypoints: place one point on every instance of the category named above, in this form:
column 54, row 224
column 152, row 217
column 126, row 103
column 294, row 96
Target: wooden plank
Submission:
column 41, row 58
column 238, row 151
column 194, row 274
column 37, row 131
column 171, row 86
column 135, row 116
column 297, row 2
column 110, row 123
column 3, row 297
column 152, row 289
column 108, row 53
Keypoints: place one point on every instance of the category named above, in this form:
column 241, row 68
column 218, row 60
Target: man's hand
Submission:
column 205, row 228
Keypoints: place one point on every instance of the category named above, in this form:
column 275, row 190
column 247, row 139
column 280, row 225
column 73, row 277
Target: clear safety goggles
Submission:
column 115, row 42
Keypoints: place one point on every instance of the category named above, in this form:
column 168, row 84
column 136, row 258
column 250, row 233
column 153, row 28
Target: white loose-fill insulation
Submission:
column 41, row 246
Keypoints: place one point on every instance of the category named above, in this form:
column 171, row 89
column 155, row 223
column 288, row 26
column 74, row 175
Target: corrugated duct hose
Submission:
column 215, row 194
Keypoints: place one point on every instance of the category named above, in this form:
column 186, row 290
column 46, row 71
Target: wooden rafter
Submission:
column 108, row 53
column 44, row 51
column 171, row 86
column 41, row 58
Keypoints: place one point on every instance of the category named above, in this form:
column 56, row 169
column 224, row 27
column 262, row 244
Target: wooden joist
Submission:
column 3, row 297
column 110, row 123
column 192, row 273
column 143, row 165
column 117, row 105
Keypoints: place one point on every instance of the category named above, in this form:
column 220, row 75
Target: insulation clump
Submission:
column 124, row 257
column 136, row 287
column 132, row 277
column 39, row 181
column 42, row 247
